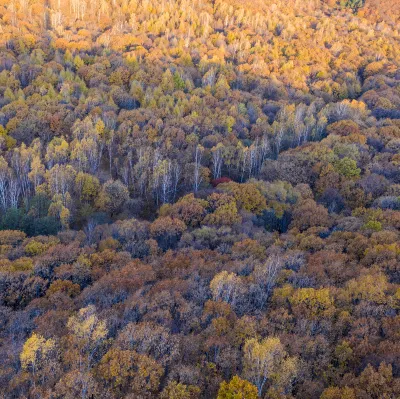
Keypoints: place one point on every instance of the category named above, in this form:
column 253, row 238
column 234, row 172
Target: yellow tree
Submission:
column 37, row 354
column 57, row 151
column 37, row 172
column 265, row 360
column 87, row 186
column 246, row 195
column 237, row 388
column 88, row 333
column 59, row 211
column 312, row 303
column 338, row 393
column 116, row 367
column 126, row 368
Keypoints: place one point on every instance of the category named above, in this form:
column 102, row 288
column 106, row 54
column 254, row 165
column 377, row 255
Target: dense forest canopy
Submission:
column 199, row 199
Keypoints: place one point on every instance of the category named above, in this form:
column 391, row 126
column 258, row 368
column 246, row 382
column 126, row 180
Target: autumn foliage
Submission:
column 199, row 199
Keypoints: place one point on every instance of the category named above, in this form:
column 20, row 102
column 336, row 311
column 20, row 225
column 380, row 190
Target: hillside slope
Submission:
column 199, row 199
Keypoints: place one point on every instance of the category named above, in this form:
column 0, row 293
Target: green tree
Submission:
column 347, row 167
column 179, row 83
column 355, row 5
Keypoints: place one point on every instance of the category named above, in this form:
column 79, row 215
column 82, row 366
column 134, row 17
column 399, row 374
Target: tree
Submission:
column 355, row 5
column 338, row 393
column 247, row 196
column 190, row 209
column 369, row 288
column 168, row 82
column 38, row 356
column 59, row 211
column 147, row 377
column 87, row 186
column 63, row 286
column 226, row 287
column 37, row 172
column 217, row 160
column 308, row 214
column 167, row 231
column 125, row 369
column 122, row 368
column 313, row 303
column 343, row 128
column 60, row 179
column 347, row 167
column 175, row 390
column 197, row 174
column 265, row 359
column 76, row 384
column 237, row 388
column 265, row 276
column 151, row 339
column 118, row 108
column 375, row 382
column 112, row 197
column 225, row 211
column 57, row 151
column 88, row 333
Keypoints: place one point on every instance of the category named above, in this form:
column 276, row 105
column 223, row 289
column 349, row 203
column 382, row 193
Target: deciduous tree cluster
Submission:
column 199, row 199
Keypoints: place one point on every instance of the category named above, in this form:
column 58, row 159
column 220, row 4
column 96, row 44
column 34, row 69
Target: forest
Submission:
column 199, row 199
